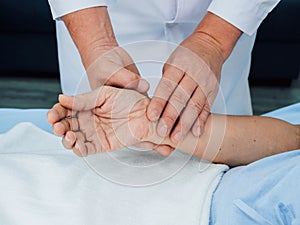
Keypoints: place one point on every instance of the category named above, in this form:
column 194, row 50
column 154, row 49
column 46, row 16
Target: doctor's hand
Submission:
column 191, row 78
column 112, row 66
column 188, row 88
column 105, row 62
column 103, row 120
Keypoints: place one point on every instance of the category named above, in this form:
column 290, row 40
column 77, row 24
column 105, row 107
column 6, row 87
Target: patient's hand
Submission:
column 105, row 119
column 109, row 119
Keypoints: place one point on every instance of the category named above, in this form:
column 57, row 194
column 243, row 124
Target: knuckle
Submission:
column 132, row 76
column 170, row 117
column 206, row 110
column 156, row 104
column 167, row 86
column 201, row 122
column 196, row 105
column 179, row 98
column 185, row 127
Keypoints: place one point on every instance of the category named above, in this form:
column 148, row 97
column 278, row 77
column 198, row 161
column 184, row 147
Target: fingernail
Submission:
column 143, row 86
column 198, row 131
column 177, row 137
column 61, row 98
column 154, row 115
column 163, row 129
column 77, row 146
column 67, row 139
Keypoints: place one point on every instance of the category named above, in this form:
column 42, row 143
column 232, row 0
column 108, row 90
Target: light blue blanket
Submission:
column 266, row 192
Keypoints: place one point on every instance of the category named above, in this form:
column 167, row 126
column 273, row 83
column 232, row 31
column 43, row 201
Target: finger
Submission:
column 66, row 124
column 165, row 88
column 164, row 150
column 56, row 113
column 86, row 101
column 139, row 84
column 145, row 144
column 198, row 127
column 60, row 128
column 126, row 79
column 127, row 60
column 80, row 148
column 91, row 150
column 189, row 115
column 177, row 102
column 69, row 140
column 80, row 136
column 132, row 67
column 73, row 123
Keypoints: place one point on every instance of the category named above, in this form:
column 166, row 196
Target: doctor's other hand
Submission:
column 105, row 62
column 113, row 66
column 191, row 78
column 103, row 120
column 188, row 88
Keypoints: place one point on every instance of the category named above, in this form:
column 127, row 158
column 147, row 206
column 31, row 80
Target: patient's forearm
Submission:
column 233, row 140
column 238, row 140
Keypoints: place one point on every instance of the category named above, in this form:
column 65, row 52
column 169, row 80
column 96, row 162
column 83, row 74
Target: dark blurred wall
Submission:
column 27, row 38
column 276, row 54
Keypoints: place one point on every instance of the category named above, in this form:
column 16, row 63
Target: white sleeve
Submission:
column 60, row 8
column 246, row 15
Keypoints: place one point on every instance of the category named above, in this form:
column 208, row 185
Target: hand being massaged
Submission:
column 108, row 119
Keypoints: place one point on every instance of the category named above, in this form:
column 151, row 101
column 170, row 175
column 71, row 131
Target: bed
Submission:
column 50, row 187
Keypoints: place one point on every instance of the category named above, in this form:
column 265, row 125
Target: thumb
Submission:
column 86, row 101
column 126, row 79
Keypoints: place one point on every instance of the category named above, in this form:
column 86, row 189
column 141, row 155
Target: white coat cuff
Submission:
column 246, row 15
column 60, row 8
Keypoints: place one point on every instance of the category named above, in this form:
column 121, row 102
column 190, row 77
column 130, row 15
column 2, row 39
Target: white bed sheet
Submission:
column 33, row 183
column 42, row 183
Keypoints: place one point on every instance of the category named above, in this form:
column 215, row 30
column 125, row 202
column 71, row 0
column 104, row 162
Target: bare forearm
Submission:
column 219, row 32
column 90, row 28
column 249, row 138
column 238, row 140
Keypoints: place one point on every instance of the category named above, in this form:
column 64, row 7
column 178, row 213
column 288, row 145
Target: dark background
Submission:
column 29, row 76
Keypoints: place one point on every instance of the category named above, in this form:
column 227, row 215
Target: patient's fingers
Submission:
column 73, row 140
column 164, row 150
column 60, row 128
column 86, row 101
column 145, row 144
column 91, row 149
column 56, row 113
column 69, row 140
column 82, row 145
column 80, row 149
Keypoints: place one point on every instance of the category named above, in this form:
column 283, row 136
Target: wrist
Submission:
column 215, row 48
column 92, row 52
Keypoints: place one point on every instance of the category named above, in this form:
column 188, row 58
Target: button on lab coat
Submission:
column 168, row 21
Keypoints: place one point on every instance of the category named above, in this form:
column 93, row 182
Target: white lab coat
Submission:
column 171, row 21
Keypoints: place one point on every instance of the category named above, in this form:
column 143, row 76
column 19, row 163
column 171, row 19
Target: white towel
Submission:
column 42, row 183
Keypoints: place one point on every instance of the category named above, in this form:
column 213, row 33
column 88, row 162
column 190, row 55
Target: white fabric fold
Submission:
column 42, row 183
column 243, row 14
column 60, row 8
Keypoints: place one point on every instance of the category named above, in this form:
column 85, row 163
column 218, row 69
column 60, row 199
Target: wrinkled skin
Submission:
column 108, row 119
